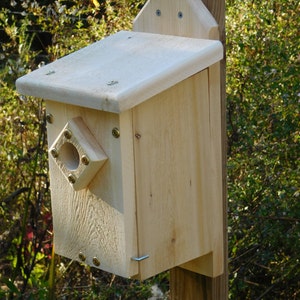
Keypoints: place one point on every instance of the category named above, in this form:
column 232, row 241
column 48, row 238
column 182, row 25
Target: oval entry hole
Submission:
column 69, row 156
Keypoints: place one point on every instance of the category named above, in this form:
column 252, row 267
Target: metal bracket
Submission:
column 140, row 258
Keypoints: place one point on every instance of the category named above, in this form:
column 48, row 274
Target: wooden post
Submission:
column 184, row 284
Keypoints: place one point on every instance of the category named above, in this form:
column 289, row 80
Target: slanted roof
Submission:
column 121, row 71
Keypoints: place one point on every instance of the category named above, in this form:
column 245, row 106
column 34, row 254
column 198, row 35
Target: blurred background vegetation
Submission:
column 263, row 97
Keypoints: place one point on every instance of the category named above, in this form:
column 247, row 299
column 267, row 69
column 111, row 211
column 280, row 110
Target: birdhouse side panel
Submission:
column 212, row 265
column 172, row 204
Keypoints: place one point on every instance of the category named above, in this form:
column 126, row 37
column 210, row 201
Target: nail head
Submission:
column 81, row 256
column 67, row 134
column 54, row 152
column 85, row 160
column 116, row 132
column 96, row 261
column 72, row 178
column 49, row 118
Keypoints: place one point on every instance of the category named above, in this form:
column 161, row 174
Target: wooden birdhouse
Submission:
column 134, row 133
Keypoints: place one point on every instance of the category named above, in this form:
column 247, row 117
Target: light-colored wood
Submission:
column 98, row 221
column 196, row 21
column 186, row 285
column 189, row 18
column 178, row 167
column 121, row 71
column 211, row 166
column 77, row 153
column 220, row 285
column 173, row 163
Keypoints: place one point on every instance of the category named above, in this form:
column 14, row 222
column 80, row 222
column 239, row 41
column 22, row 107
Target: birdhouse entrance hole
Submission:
column 77, row 153
column 69, row 156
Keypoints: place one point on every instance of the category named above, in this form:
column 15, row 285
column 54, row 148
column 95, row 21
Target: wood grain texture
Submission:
column 177, row 177
column 98, row 221
column 211, row 179
column 188, row 18
column 178, row 167
column 187, row 285
column 74, row 144
column 121, row 71
column 217, row 9
column 219, row 285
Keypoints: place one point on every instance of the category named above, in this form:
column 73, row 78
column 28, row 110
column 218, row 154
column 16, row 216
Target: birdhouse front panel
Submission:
column 96, row 224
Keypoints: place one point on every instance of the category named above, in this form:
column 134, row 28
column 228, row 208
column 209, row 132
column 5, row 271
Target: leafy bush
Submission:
column 263, row 149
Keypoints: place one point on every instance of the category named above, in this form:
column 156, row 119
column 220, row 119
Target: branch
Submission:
column 15, row 194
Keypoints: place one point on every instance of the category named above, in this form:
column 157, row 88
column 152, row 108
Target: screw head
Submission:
column 96, row 261
column 116, row 132
column 112, row 82
column 85, row 160
column 72, row 178
column 54, row 152
column 49, row 118
column 68, row 134
column 81, row 256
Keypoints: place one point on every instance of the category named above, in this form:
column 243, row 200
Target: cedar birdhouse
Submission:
column 134, row 134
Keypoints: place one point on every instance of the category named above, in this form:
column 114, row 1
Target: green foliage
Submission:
column 263, row 148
